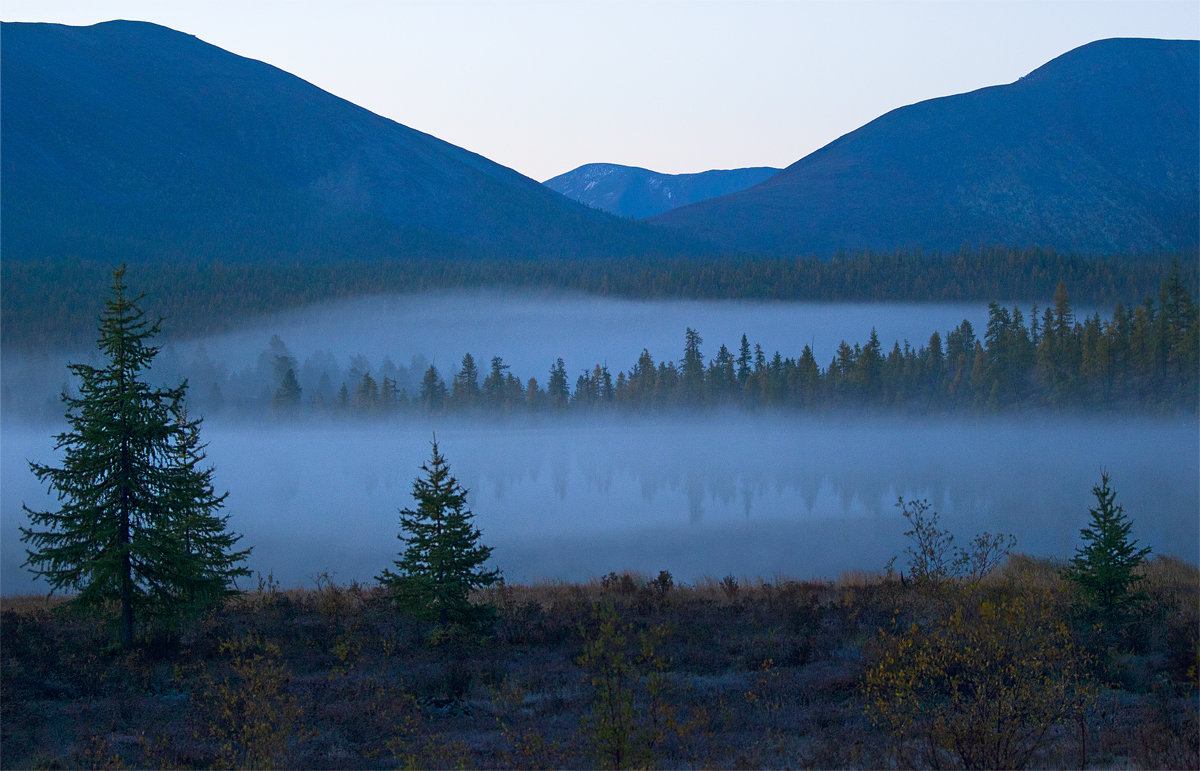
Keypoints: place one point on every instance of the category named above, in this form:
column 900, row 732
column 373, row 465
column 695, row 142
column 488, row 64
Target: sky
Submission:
column 676, row 86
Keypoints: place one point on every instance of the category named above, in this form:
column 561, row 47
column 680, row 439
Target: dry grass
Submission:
column 749, row 674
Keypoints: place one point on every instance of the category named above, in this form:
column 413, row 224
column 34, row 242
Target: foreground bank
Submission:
column 623, row 671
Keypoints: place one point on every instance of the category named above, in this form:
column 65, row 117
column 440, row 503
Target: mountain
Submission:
column 131, row 141
column 630, row 191
column 1097, row 151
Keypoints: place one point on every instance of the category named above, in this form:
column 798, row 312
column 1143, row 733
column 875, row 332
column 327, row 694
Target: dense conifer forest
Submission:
column 53, row 303
column 1144, row 357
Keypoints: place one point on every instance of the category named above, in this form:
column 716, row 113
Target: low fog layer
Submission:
column 704, row 496
column 399, row 336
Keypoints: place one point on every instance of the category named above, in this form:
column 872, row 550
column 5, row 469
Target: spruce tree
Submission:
column 1104, row 567
column 137, row 524
column 433, row 391
column 205, row 562
column 442, row 558
column 287, row 397
column 557, row 388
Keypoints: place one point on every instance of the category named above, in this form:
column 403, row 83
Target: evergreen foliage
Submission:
column 203, row 546
column 1105, row 566
column 432, row 396
column 1144, row 360
column 215, row 297
column 442, row 558
column 138, row 522
column 287, row 396
column 465, row 393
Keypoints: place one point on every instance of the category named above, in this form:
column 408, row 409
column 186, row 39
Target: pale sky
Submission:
column 676, row 86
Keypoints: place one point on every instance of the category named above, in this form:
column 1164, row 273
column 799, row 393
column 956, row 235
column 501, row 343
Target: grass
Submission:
column 727, row 672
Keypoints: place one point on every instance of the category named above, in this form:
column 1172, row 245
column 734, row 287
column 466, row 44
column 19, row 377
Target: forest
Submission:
column 1143, row 358
column 52, row 303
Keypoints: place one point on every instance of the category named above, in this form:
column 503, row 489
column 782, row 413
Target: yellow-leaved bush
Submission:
column 984, row 688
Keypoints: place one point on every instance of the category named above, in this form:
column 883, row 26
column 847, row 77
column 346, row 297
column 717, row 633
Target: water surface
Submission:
column 751, row 496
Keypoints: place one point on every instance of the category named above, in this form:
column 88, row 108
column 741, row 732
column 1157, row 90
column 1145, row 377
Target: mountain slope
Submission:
column 631, row 191
column 131, row 141
column 1097, row 151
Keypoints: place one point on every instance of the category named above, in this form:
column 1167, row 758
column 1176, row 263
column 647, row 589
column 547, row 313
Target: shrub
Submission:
column 622, row 735
column 979, row 690
column 248, row 714
column 934, row 558
column 663, row 584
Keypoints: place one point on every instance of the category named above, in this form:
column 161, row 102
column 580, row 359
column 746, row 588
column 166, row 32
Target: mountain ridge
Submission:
column 133, row 142
column 638, row 193
column 1093, row 152
column 158, row 145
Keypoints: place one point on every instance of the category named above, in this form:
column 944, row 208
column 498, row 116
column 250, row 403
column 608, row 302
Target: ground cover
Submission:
column 622, row 671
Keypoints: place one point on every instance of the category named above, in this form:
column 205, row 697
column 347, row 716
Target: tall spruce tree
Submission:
column 137, row 524
column 443, row 558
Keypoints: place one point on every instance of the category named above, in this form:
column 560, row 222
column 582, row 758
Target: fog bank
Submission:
column 399, row 336
column 699, row 496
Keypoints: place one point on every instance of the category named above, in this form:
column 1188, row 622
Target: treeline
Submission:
column 53, row 303
column 1145, row 357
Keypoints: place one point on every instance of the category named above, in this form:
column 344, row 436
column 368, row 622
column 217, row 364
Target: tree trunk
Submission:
column 126, row 587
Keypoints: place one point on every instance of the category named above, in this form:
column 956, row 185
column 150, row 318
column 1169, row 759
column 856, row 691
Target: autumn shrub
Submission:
column 526, row 746
column 621, row 668
column 248, row 715
column 983, row 688
column 1171, row 622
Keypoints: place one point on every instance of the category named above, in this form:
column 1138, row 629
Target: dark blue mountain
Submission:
column 631, row 191
column 131, row 141
column 1097, row 151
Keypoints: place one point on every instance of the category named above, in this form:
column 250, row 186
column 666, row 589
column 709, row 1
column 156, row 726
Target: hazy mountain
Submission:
column 127, row 140
column 1097, row 151
column 631, row 191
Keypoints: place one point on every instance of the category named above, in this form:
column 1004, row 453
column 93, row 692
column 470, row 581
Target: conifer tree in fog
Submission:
column 138, row 523
column 443, row 558
column 1105, row 567
column 287, row 396
column 557, row 389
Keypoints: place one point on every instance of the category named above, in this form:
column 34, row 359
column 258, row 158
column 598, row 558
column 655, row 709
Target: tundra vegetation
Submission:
column 623, row 671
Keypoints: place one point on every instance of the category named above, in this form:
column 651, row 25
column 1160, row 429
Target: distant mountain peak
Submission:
column 635, row 192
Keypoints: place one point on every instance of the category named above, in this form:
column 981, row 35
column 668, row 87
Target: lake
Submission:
column 711, row 496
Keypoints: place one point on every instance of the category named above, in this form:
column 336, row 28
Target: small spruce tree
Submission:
column 442, row 558
column 1105, row 566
